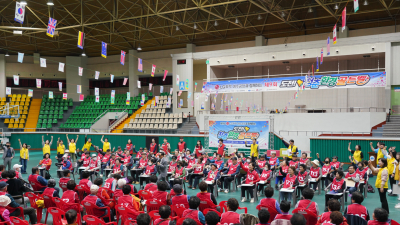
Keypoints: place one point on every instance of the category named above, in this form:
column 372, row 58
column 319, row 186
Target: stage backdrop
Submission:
column 235, row 133
column 351, row 80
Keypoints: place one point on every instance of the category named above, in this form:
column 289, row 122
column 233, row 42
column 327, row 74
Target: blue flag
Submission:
column 104, row 49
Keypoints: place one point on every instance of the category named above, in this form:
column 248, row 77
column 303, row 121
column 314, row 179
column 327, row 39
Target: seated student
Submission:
column 212, row 176
column 285, row 207
column 333, row 206
column 118, row 192
column 304, row 160
column 297, row 219
column 85, row 179
column 306, row 202
column 179, row 199
column 265, row 177
column 70, row 196
column 379, row 217
column 37, row 182
column 212, row 218
column 16, row 187
column 94, row 199
column 192, row 212
column 252, row 178
column 302, row 176
column 165, row 212
column 356, row 208
column 203, row 195
column 219, row 161
column 64, row 180
column 291, row 182
column 4, row 212
column 229, row 175
column 270, row 202
column 231, row 216
column 179, row 172
column 51, row 189
column 152, row 186
column 352, row 175
column 111, row 183
column 128, row 201
column 160, row 194
column 176, row 181
column 336, row 218
column 189, row 221
column 315, row 173
column 338, row 186
column 283, row 167
column 71, row 217
column 103, row 194
column 4, row 176
column 198, row 168
column 143, row 219
column 263, row 216
column 131, row 181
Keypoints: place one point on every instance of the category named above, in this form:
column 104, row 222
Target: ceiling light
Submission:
column 50, row 2
column 83, row 53
column 7, row 54
column 259, row 17
column 23, row 2
column 139, row 48
column 336, row 6
column 310, row 10
column 215, row 23
column 365, row 2
column 236, row 20
column 177, row 28
column 17, row 32
column 283, row 14
column 195, row 26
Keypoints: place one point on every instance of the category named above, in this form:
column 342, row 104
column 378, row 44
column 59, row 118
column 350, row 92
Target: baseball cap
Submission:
column 94, row 155
column 17, row 166
column 3, row 184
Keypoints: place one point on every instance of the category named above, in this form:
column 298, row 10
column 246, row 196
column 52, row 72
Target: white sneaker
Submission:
column 243, row 199
column 252, row 200
column 101, row 175
column 220, row 190
column 397, row 206
column 258, row 193
column 239, row 186
column 389, row 191
column 226, row 191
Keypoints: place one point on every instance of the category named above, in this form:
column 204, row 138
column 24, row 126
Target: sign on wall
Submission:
column 182, row 85
column 351, row 80
column 235, row 133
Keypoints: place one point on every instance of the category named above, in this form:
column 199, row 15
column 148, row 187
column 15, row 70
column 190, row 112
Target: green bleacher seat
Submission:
column 40, row 116
column 38, row 125
column 49, row 126
column 55, row 121
column 44, row 125
column 45, row 117
column 50, row 116
column 40, row 121
column 60, row 117
column 44, row 120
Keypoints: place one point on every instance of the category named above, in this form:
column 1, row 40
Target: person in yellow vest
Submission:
column 106, row 144
column 380, row 150
column 23, row 155
column 60, row 150
column 88, row 143
column 358, row 156
column 254, row 150
column 396, row 174
column 46, row 145
column 381, row 180
column 292, row 149
column 391, row 159
column 72, row 147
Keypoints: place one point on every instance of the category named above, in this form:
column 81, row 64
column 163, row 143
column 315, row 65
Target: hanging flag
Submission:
column 177, row 80
column 156, row 99
column 65, row 96
column 222, row 104
column 96, row 75
column 50, row 95
column 169, row 102
column 226, row 98
column 103, row 49
column 312, row 68
column 138, row 84
column 197, row 96
column 61, row 67
column 189, row 95
column 150, row 86
column 81, row 98
column 344, row 19
column 8, row 91
column 202, row 106
column 212, row 106
column 60, row 86
column 140, row 65
column 112, row 78
column 30, row 92
column 143, row 98
column 20, row 57
column 328, row 47
column 80, row 71
column 51, row 27
column 153, row 70
column 81, row 39
column 122, row 60
column 317, row 69
column 356, row 6
column 16, row 79
column 322, row 54
column 42, row 62
column 195, row 86
column 128, row 102
column 112, row 100
column 179, row 93
column 112, row 96
column 97, row 98
column 128, row 95
column 38, row 83
column 165, row 74
column 187, row 84
column 125, row 81
column 19, row 13
column 161, row 89
column 170, row 91
column 334, row 34
column 192, row 103
column 96, row 91
column 78, row 89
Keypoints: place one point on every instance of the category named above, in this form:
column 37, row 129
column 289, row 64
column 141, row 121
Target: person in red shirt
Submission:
column 166, row 147
column 212, row 218
column 336, row 218
column 231, row 216
column 165, row 212
column 221, row 147
column 203, row 195
column 198, row 168
column 198, row 149
column 263, row 216
column 180, row 199
column 129, row 202
column 176, row 181
column 160, row 194
column 70, row 196
column 306, row 202
column 333, row 206
column 380, row 217
column 181, row 145
column 338, row 186
column 265, row 177
column 252, row 178
column 356, row 208
column 153, row 146
column 192, row 212
column 291, row 182
column 63, row 180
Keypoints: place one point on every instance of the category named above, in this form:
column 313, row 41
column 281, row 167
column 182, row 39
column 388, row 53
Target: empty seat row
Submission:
column 152, row 126
column 176, row 120
column 154, row 111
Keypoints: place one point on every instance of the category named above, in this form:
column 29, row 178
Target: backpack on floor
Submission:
column 371, row 189
column 46, row 175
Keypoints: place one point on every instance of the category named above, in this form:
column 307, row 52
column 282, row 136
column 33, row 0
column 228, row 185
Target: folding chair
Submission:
column 91, row 209
column 126, row 214
column 92, row 220
column 310, row 216
column 32, row 200
column 340, row 195
column 272, row 211
column 58, row 216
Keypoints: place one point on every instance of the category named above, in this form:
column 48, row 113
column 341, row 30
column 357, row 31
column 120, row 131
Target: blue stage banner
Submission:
column 235, row 133
column 351, row 80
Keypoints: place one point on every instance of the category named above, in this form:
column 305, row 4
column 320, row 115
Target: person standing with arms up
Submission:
column 380, row 150
column 46, row 145
column 60, row 150
column 381, row 180
column 358, row 156
column 106, row 144
column 72, row 147
column 8, row 155
column 254, row 149
column 23, row 155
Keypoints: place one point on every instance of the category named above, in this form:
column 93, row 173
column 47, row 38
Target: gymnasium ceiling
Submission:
column 125, row 24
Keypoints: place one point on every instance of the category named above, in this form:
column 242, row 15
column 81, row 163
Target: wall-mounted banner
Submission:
column 235, row 133
column 351, row 80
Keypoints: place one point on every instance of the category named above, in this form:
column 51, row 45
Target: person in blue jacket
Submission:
column 229, row 174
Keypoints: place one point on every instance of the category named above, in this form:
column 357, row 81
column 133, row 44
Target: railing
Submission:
column 126, row 131
column 120, row 117
column 330, row 133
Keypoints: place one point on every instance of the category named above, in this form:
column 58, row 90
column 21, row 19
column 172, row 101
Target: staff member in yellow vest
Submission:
column 46, row 145
column 380, row 150
column 391, row 159
column 60, row 150
column 396, row 173
column 292, row 149
column 358, row 156
column 72, row 147
column 88, row 143
column 23, row 155
column 254, row 150
column 381, row 180
column 106, row 144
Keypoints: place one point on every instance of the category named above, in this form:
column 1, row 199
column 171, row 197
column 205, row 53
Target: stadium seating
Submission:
column 23, row 101
column 52, row 110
